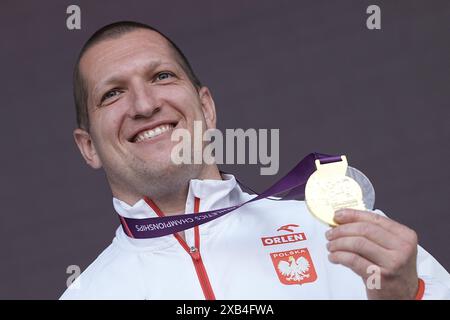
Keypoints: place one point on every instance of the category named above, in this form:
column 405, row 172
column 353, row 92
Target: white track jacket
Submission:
column 267, row 249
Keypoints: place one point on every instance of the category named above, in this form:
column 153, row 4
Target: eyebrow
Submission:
column 119, row 78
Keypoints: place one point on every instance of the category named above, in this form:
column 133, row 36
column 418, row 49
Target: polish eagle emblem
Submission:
column 294, row 266
column 294, row 270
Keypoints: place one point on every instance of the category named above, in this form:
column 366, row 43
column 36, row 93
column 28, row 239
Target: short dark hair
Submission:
column 111, row 31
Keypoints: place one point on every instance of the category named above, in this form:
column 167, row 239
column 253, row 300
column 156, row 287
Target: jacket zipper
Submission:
column 194, row 251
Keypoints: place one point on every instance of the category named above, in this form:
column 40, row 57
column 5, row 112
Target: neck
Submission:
column 173, row 201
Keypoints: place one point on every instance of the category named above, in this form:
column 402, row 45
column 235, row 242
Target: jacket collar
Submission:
column 213, row 194
column 210, row 192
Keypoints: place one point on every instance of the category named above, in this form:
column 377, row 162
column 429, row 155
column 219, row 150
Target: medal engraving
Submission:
column 328, row 189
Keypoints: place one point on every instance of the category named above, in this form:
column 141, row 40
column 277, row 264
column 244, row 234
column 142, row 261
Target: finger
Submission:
column 358, row 264
column 344, row 216
column 362, row 247
column 367, row 230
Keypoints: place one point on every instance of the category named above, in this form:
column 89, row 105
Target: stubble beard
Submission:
column 156, row 180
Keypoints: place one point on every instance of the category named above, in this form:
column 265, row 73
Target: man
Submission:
column 133, row 87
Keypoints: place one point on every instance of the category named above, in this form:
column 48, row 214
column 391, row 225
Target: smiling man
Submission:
column 133, row 87
column 131, row 91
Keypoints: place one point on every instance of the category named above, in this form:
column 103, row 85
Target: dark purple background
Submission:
column 310, row 68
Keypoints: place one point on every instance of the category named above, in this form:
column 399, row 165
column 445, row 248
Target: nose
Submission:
column 144, row 102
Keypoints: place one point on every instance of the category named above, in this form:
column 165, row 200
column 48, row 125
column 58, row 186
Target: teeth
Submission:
column 153, row 132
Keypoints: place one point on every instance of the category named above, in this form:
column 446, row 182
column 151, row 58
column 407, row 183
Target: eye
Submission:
column 163, row 75
column 110, row 94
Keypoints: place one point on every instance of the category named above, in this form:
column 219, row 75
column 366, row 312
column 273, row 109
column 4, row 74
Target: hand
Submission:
column 363, row 239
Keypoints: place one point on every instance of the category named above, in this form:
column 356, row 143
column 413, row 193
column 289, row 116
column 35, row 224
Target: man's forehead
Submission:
column 111, row 53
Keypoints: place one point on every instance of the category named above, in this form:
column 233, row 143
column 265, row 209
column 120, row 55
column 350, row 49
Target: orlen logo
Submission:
column 287, row 238
column 288, row 227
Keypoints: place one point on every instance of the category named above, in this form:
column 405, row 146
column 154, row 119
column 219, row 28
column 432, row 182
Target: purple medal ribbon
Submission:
column 293, row 183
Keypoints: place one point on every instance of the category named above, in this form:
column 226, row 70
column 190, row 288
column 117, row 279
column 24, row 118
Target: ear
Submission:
column 85, row 144
column 208, row 107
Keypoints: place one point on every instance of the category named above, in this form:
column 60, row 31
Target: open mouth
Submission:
column 152, row 133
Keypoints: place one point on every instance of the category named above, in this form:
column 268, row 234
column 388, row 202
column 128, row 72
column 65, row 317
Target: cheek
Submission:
column 185, row 101
column 107, row 125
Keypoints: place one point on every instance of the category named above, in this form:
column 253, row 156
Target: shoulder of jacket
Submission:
column 81, row 287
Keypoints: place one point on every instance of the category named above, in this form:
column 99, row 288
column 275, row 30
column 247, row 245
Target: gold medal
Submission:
column 329, row 189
